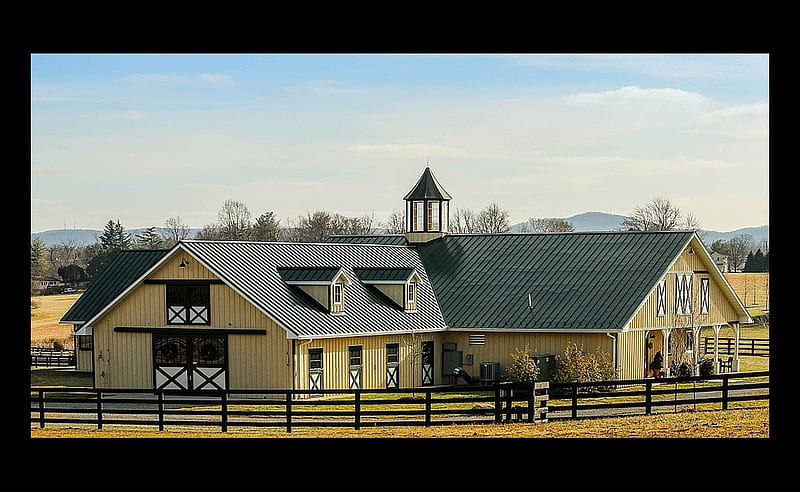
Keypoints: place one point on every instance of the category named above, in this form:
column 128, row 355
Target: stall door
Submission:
column 355, row 367
column 427, row 363
column 315, row 369
column 192, row 363
column 392, row 365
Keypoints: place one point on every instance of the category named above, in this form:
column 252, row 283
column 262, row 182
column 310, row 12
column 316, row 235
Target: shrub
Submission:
column 706, row 366
column 57, row 345
column 576, row 365
column 523, row 368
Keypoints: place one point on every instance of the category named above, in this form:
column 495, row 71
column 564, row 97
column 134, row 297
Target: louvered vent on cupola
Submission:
column 399, row 285
column 325, row 285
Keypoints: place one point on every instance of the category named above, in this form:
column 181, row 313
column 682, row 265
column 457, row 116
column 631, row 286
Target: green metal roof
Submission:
column 568, row 281
column 390, row 239
column 308, row 274
column 383, row 275
column 126, row 267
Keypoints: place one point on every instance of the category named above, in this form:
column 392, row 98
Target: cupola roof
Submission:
column 427, row 188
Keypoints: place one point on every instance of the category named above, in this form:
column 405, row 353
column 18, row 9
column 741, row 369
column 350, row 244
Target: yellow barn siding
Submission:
column 631, row 355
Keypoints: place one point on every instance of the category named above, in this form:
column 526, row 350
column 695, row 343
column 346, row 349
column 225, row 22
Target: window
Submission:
column 412, row 292
column 433, row 216
column 188, row 304
column 392, row 353
column 315, row 358
column 355, row 355
column 337, row 293
column 704, row 295
column 418, row 223
column 85, row 342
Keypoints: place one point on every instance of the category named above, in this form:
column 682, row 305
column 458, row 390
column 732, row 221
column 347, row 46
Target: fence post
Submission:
column 648, row 398
column 289, row 411
column 725, row 392
column 99, row 409
column 428, row 407
column 357, row 422
column 531, row 399
column 224, row 411
column 574, row 400
column 41, row 409
column 498, row 407
column 160, row 410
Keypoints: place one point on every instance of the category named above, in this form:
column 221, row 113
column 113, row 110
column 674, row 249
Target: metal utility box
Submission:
column 490, row 371
column 546, row 364
column 450, row 360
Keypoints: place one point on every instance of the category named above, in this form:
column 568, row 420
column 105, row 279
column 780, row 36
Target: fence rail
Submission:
column 747, row 346
column 47, row 357
column 429, row 406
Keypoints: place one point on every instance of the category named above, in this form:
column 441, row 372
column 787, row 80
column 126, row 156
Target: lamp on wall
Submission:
column 183, row 263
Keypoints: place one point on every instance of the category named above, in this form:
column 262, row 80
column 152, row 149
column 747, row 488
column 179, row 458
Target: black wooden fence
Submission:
column 502, row 402
column 47, row 357
column 747, row 346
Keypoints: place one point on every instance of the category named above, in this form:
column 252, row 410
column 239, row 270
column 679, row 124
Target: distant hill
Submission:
column 85, row 237
column 601, row 221
column 585, row 222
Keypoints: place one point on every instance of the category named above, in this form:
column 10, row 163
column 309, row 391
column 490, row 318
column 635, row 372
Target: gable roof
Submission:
column 252, row 269
column 554, row 281
column 309, row 275
column 384, row 275
column 126, row 267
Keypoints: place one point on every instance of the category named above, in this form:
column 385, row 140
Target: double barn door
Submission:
column 192, row 363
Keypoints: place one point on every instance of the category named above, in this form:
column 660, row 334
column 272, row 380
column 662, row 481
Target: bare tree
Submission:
column 175, row 231
column 549, row 225
column 463, row 221
column 737, row 250
column 234, row 220
column 660, row 214
column 492, row 219
column 395, row 224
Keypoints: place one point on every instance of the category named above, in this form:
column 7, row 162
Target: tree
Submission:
column 395, row 224
column 113, row 240
column 72, row 274
column 39, row 263
column 549, row 225
column 523, row 368
column 659, row 215
column 737, row 249
column 463, row 221
column 756, row 262
column 175, row 231
column 149, row 239
column 318, row 226
column 234, row 221
column 266, row 228
column 492, row 219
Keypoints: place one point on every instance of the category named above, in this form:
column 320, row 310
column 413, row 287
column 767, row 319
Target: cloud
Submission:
column 215, row 79
column 743, row 121
column 635, row 96
column 212, row 79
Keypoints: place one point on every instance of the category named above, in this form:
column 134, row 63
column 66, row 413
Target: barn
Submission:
column 396, row 311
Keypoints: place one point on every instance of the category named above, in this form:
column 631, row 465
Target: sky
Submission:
column 142, row 138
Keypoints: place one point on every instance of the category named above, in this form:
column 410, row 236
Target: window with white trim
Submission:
column 418, row 216
column 705, row 287
column 661, row 298
column 337, row 293
column 683, row 293
column 433, row 216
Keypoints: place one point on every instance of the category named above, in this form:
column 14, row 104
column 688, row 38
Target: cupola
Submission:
column 427, row 209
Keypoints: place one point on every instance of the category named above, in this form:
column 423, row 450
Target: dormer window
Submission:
column 324, row 285
column 400, row 285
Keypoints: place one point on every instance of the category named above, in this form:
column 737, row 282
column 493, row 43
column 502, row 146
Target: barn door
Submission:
column 427, row 363
column 392, row 365
column 190, row 362
column 355, row 367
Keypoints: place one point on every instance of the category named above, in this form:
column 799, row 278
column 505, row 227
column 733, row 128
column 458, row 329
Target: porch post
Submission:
column 716, row 348
column 666, row 349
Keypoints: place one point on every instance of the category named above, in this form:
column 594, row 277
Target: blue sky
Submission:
column 143, row 138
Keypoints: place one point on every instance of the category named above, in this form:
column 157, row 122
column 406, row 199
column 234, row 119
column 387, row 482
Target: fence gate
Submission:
column 190, row 362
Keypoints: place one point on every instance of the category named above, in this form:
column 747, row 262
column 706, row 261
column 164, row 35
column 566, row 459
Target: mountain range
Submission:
column 584, row 222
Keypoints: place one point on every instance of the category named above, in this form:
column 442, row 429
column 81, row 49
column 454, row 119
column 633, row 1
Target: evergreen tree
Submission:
column 266, row 228
column 39, row 264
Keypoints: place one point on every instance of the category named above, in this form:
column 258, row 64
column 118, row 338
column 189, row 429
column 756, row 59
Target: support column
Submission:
column 735, row 365
column 716, row 348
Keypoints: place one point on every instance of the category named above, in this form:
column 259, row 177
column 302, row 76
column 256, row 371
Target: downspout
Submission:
column 614, row 353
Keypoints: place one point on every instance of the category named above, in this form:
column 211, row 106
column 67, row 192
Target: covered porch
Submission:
column 679, row 351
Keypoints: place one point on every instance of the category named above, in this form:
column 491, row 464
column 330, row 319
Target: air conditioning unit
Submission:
column 490, row 371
